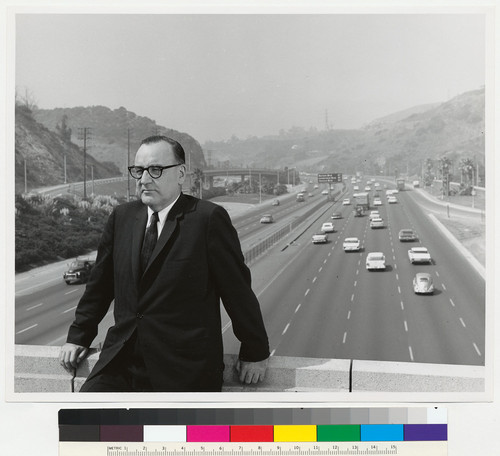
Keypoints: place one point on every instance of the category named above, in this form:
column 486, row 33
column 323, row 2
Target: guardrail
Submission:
column 254, row 252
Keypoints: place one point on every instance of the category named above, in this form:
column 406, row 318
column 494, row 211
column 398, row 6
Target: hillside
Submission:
column 43, row 151
column 399, row 142
column 110, row 129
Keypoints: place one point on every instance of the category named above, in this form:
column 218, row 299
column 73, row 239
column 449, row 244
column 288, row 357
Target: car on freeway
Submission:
column 423, row 284
column 377, row 202
column 325, row 192
column 316, row 186
column 375, row 261
column 351, row 244
column 407, row 235
column 320, row 238
column 336, row 215
column 419, row 255
column 356, row 188
column 346, row 202
column 392, row 199
column 376, row 223
column 374, row 214
column 327, row 227
column 368, row 188
column 78, row 271
column 267, row 218
column 276, row 202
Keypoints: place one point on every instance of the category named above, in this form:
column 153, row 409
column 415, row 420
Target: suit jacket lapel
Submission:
column 139, row 228
column 168, row 228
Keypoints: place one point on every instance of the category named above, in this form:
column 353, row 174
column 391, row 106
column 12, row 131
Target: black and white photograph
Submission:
column 321, row 183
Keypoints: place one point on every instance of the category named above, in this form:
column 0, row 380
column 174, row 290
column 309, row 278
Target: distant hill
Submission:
column 400, row 142
column 110, row 129
column 43, row 152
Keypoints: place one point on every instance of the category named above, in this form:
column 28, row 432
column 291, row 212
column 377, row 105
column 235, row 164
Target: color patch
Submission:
column 126, row 433
column 79, row 433
column 252, row 434
column 208, row 434
column 421, row 432
column 164, row 433
column 295, row 433
column 382, row 433
column 339, row 433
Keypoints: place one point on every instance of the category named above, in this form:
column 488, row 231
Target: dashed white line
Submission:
column 286, row 329
column 406, row 326
column 411, row 353
column 349, row 315
column 463, row 322
column 324, row 262
column 437, row 273
column 34, row 307
column 273, row 352
column 320, row 269
column 298, row 307
column 352, row 297
column 72, row 291
column 27, row 329
column 399, row 289
column 329, row 253
column 477, row 349
column 452, row 303
column 357, row 271
column 402, row 306
column 345, row 336
column 444, row 286
column 314, row 280
column 69, row 310
column 355, row 283
column 307, row 292
column 397, row 276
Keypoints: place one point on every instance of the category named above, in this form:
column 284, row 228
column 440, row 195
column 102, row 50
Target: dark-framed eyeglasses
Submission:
column 155, row 171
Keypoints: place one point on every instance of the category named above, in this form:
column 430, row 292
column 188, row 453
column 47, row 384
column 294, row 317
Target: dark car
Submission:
column 337, row 215
column 407, row 235
column 78, row 271
column 267, row 218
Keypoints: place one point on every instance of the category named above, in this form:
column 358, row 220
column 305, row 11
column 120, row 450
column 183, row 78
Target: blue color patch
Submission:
column 382, row 433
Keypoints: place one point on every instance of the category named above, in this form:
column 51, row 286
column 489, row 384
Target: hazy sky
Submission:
column 213, row 76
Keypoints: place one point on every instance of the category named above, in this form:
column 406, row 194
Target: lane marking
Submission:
column 273, row 352
column 352, row 297
column 452, row 303
column 307, row 292
column 399, row 289
column 397, row 276
column 477, row 349
column 286, row 329
column 320, row 269
column 437, row 273
column 345, row 336
column 402, row 306
column 69, row 292
column 463, row 322
column 355, row 283
column 444, row 286
column 27, row 329
column 406, row 326
column 411, row 353
column 34, row 307
column 69, row 310
column 349, row 315
column 298, row 307
column 314, row 280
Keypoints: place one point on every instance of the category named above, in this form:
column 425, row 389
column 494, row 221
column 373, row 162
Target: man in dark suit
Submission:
column 167, row 260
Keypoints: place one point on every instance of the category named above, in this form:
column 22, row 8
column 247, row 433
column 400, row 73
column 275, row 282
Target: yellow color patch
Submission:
column 294, row 433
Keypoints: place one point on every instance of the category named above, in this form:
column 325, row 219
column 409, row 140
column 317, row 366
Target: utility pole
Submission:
column 84, row 134
column 92, row 171
column 65, row 176
column 25, row 177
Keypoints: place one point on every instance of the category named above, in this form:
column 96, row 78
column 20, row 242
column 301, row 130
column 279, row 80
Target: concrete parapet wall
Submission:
column 37, row 370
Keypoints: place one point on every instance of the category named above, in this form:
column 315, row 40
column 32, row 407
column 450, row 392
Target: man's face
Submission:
column 159, row 193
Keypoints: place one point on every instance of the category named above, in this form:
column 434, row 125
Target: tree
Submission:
column 197, row 180
column 467, row 169
column 26, row 99
column 63, row 130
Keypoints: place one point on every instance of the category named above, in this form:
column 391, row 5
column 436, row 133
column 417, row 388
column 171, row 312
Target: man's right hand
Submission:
column 71, row 355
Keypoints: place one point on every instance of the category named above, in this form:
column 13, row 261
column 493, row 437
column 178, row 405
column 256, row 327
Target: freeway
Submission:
column 319, row 301
column 323, row 303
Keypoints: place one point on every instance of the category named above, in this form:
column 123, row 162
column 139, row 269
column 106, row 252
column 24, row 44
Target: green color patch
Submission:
column 339, row 433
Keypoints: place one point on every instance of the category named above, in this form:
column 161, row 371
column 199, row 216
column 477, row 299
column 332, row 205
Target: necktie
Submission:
column 150, row 239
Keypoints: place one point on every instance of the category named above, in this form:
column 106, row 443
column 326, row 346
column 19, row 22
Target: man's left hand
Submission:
column 251, row 372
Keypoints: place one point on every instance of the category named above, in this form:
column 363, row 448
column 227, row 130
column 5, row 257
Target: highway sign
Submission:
column 329, row 177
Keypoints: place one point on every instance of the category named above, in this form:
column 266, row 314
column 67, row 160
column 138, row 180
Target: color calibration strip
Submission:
column 253, row 425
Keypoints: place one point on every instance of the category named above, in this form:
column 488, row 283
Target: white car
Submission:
column 392, row 199
column 351, row 244
column 327, row 227
column 356, row 188
column 346, row 202
column 368, row 188
column 419, row 255
column 325, row 192
column 377, row 202
column 320, row 238
column 376, row 223
column 374, row 214
column 375, row 261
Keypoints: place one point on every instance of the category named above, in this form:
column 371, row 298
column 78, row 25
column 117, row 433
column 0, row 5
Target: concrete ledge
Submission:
column 37, row 370
column 416, row 377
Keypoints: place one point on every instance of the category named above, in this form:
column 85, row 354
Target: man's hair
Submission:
column 179, row 154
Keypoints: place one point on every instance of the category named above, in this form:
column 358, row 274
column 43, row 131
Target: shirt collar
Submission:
column 162, row 215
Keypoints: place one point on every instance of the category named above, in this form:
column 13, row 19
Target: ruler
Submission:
column 429, row 448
